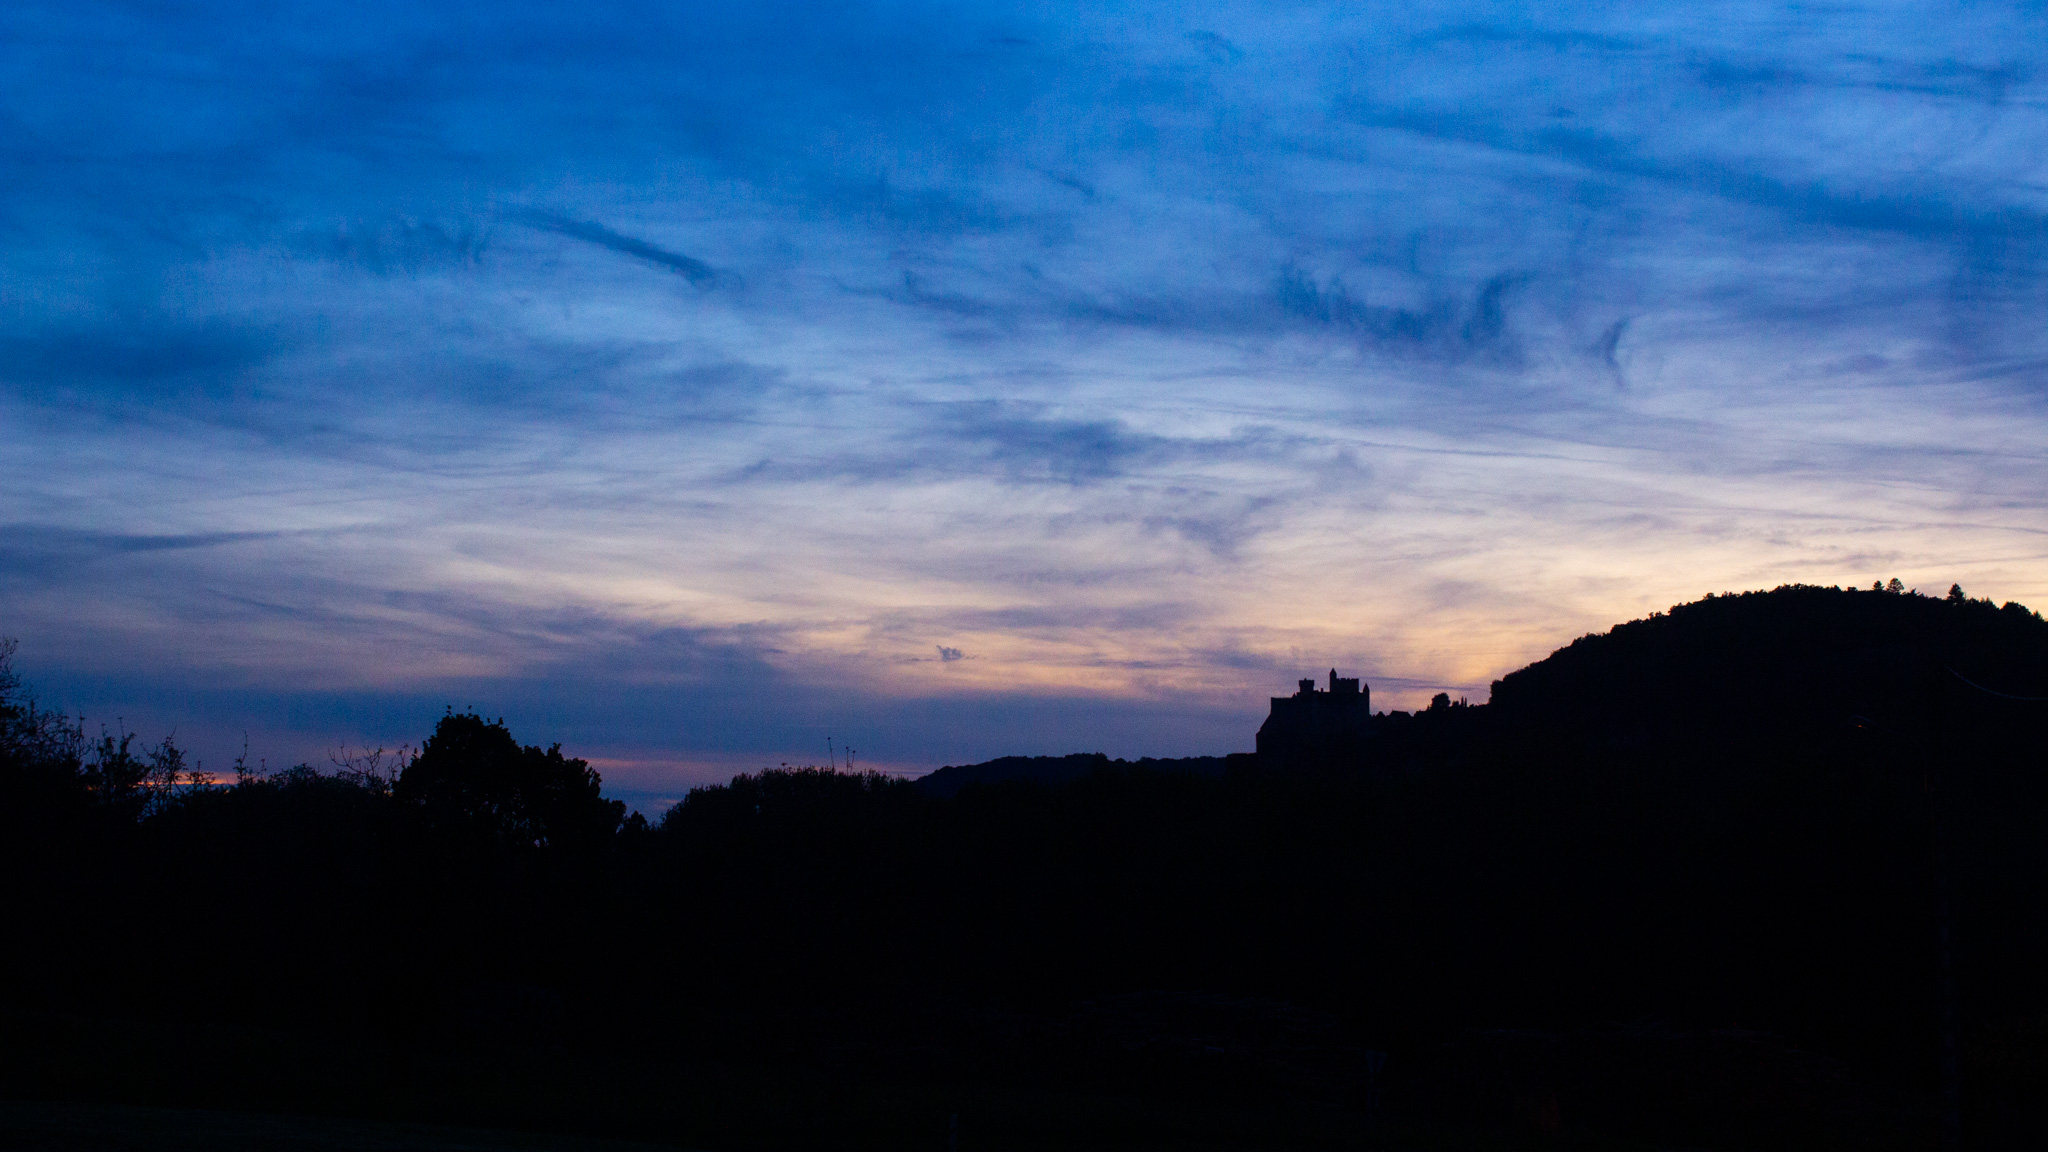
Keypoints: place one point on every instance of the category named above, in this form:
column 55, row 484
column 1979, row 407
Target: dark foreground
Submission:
column 1619, row 1090
column 1682, row 885
column 54, row 1127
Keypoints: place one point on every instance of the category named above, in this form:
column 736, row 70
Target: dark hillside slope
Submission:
column 1787, row 779
column 948, row 781
column 1797, row 659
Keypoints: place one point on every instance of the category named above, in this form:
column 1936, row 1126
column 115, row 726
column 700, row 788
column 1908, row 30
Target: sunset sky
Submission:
column 690, row 383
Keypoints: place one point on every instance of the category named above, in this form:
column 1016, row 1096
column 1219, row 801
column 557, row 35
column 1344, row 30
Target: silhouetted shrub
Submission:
column 472, row 780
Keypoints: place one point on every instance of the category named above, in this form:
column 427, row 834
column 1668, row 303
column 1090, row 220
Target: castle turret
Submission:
column 1313, row 725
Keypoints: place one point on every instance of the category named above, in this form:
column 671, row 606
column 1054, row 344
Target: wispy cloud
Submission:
column 695, row 271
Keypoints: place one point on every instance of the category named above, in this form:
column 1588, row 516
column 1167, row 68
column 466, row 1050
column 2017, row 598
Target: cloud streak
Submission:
column 695, row 271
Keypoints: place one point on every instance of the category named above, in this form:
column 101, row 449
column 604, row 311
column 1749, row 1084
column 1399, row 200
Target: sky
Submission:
column 692, row 384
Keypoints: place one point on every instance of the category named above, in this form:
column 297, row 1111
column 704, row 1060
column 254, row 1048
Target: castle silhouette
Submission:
column 1314, row 722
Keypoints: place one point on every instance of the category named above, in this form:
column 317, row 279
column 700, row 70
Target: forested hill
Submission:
column 1681, row 884
column 1796, row 659
column 1797, row 662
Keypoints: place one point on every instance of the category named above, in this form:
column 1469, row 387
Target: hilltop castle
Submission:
column 1314, row 721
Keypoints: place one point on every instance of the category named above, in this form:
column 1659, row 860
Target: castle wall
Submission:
column 1314, row 723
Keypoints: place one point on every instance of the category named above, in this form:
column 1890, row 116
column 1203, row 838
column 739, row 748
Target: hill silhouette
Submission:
column 1795, row 659
column 948, row 781
column 1763, row 870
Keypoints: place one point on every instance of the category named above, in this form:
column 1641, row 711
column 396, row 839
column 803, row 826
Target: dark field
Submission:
column 115, row 1128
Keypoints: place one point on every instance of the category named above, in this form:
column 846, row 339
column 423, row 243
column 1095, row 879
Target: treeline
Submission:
column 1678, row 882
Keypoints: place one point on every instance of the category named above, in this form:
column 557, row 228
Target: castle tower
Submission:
column 1316, row 725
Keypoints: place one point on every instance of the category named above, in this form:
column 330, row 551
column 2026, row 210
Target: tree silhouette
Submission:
column 471, row 779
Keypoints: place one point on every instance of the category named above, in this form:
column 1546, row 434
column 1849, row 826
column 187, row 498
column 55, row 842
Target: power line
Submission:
column 1995, row 692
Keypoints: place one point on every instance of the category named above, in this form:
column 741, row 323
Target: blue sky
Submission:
column 688, row 383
